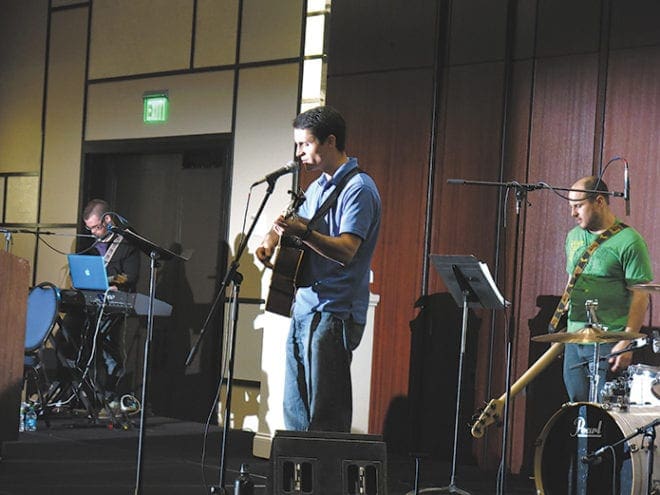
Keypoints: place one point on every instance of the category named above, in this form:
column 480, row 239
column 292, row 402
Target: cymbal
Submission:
column 645, row 287
column 588, row 335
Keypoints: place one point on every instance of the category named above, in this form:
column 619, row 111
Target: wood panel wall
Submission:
column 578, row 84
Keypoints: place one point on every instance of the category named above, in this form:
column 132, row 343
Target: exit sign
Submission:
column 156, row 107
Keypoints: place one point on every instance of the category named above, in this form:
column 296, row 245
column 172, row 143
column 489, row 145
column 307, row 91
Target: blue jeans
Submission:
column 317, row 384
column 576, row 377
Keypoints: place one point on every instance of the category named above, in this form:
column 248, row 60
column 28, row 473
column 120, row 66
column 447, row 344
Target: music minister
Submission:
column 122, row 262
column 338, row 225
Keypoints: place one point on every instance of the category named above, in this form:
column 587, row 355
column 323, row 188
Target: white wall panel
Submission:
column 51, row 265
column 215, row 36
column 264, row 142
column 22, row 50
column 264, row 139
column 64, row 115
column 199, row 104
column 270, row 30
column 22, row 192
column 139, row 37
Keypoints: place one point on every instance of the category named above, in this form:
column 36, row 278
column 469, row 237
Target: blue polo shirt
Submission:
column 341, row 290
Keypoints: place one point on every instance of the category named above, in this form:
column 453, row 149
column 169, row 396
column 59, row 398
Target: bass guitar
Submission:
column 492, row 413
column 287, row 264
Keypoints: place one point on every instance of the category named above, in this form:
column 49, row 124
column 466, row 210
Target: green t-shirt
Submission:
column 619, row 262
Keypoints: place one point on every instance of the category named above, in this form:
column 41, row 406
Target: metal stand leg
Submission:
column 650, row 435
column 595, row 376
column 452, row 488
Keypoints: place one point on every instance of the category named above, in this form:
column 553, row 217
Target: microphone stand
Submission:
column 8, row 233
column 235, row 278
column 610, row 355
column 155, row 254
column 521, row 198
column 648, row 431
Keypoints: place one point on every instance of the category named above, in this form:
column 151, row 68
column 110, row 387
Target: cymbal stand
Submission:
column 594, row 376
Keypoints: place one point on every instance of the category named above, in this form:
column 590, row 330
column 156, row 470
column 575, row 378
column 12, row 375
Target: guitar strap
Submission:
column 579, row 268
column 111, row 249
column 331, row 200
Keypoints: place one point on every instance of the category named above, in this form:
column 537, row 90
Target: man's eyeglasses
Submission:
column 98, row 226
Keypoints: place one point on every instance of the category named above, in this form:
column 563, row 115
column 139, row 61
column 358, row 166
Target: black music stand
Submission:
column 155, row 254
column 471, row 285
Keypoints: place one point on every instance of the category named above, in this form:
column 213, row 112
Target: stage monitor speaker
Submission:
column 315, row 463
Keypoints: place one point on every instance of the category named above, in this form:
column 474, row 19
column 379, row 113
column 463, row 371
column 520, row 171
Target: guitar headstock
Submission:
column 492, row 413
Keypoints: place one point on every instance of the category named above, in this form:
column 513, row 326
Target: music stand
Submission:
column 471, row 285
column 155, row 253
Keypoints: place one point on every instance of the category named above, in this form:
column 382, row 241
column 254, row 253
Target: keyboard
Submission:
column 130, row 303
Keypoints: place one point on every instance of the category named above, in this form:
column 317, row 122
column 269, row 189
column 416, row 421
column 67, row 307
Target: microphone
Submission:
column 595, row 457
column 626, row 188
column 290, row 167
column 112, row 215
column 455, row 181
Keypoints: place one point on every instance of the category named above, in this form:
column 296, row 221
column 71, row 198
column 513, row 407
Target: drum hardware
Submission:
column 643, row 379
column 570, row 453
column 616, row 394
column 593, row 333
column 648, row 433
column 633, row 346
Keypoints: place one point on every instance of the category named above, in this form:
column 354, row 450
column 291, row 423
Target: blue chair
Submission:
column 42, row 315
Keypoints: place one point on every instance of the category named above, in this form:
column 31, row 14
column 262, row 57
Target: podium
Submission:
column 14, row 287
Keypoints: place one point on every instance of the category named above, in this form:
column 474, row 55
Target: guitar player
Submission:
column 329, row 312
column 621, row 261
column 122, row 260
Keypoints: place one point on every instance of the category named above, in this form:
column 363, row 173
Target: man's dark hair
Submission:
column 96, row 207
column 322, row 122
column 594, row 183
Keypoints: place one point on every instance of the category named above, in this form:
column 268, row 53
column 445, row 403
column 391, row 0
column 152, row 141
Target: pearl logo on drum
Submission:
column 582, row 429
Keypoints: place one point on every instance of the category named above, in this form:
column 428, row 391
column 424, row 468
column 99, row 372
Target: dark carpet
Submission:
column 73, row 457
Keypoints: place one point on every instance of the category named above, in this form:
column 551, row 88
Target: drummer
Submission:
column 616, row 264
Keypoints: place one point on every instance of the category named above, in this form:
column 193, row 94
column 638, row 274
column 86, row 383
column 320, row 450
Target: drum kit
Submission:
column 606, row 445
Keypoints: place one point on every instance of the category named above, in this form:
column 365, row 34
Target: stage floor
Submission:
column 72, row 457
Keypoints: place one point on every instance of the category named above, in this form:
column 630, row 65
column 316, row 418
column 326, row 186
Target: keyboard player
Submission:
column 122, row 261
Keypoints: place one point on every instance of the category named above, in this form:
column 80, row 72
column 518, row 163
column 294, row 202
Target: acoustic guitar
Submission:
column 287, row 265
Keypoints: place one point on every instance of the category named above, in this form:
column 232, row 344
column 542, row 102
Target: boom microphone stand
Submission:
column 235, row 278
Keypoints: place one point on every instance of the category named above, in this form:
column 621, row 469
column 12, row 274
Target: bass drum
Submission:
column 579, row 429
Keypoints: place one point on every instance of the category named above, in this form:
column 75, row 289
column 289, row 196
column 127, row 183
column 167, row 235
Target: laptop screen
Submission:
column 87, row 272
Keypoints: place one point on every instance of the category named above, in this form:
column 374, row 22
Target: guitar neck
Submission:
column 541, row 363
